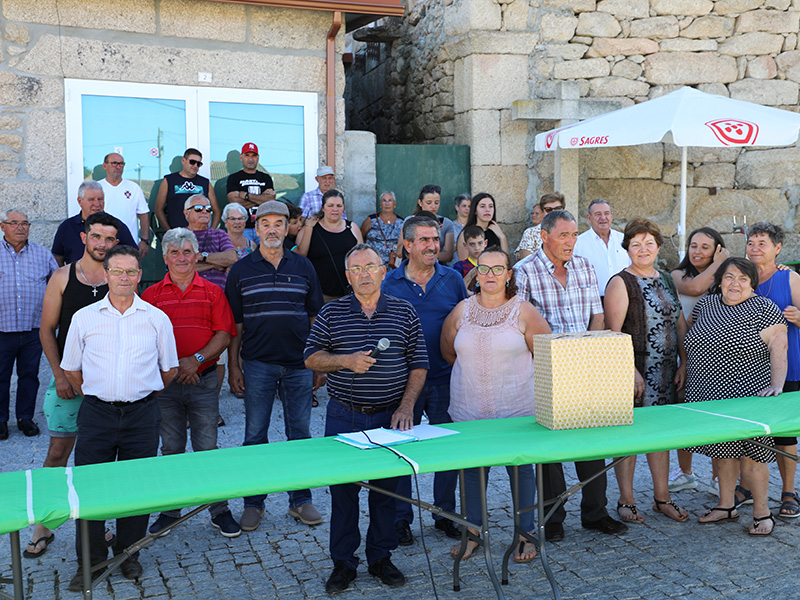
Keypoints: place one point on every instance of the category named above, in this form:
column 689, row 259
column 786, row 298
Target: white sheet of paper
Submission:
column 429, row 432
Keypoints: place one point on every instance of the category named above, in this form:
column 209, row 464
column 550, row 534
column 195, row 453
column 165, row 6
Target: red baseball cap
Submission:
column 249, row 147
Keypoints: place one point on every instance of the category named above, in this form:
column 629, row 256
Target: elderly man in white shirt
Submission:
column 601, row 245
column 120, row 352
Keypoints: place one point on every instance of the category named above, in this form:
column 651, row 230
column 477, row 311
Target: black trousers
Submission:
column 593, row 499
column 107, row 433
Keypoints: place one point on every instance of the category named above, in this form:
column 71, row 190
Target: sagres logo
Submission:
column 550, row 137
column 597, row 140
column 734, row 131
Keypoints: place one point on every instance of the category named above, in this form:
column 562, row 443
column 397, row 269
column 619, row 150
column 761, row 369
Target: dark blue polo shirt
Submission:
column 68, row 244
column 274, row 306
column 444, row 290
column 342, row 328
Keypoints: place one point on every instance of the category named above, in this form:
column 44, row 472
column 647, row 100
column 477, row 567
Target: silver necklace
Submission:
column 86, row 279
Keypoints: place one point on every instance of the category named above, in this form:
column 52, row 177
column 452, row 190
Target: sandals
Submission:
column 792, row 506
column 47, row 539
column 757, row 521
column 634, row 517
column 680, row 516
column 748, row 497
column 730, row 517
column 521, row 551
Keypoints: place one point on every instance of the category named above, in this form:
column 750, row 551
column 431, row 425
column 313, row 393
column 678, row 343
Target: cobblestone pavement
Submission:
column 287, row 560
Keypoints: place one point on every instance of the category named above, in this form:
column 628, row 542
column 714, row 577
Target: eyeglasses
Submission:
column 371, row 269
column 198, row 208
column 496, row 270
column 17, row 224
column 548, row 209
column 115, row 163
column 117, row 272
column 194, row 162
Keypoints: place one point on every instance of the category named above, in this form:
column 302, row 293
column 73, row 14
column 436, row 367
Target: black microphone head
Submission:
column 383, row 344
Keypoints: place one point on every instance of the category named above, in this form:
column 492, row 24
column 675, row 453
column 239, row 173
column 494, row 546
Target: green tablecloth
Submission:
column 165, row 482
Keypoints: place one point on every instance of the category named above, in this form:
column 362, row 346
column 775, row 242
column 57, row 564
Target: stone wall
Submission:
column 622, row 50
column 140, row 41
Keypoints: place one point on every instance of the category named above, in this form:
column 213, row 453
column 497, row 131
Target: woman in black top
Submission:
column 482, row 212
column 325, row 239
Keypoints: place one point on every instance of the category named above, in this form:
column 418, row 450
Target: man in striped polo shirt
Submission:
column 203, row 325
column 275, row 296
column 366, row 392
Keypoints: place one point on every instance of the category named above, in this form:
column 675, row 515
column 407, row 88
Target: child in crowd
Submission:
column 475, row 239
column 295, row 223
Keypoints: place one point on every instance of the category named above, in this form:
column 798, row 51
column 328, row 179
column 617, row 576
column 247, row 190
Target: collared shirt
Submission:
column 342, row 328
column 120, row 355
column 23, row 279
column 606, row 260
column 68, row 243
column 126, row 201
column 567, row 309
column 441, row 294
column 196, row 313
column 274, row 306
column 531, row 239
column 311, row 202
column 212, row 241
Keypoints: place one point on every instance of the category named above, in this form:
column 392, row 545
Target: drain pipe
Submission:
column 330, row 88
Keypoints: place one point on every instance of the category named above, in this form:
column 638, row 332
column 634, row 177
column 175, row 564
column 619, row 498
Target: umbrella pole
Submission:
column 682, row 226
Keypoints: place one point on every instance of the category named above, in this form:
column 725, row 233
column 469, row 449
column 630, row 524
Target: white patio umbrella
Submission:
column 686, row 117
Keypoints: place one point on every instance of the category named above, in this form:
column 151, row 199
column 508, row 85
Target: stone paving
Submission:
column 287, row 560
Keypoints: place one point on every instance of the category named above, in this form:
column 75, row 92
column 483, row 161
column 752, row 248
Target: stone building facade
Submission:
column 453, row 69
column 47, row 42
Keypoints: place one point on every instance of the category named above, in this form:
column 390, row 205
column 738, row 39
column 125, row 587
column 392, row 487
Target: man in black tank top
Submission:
column 70, row 288
column 176, row 188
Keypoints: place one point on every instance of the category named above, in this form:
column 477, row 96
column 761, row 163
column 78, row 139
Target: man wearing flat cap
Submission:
column 275, row 296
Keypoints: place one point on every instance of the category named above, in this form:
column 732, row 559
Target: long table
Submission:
column 111, row 490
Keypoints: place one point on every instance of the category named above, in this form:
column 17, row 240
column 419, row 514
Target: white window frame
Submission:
column 198, row 133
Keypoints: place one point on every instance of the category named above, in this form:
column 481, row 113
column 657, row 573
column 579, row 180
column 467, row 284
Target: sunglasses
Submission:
column 551, row 208
column 194, row 162
column 198, row 208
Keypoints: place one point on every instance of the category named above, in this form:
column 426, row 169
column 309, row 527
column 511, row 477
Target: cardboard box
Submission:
column 583, row 379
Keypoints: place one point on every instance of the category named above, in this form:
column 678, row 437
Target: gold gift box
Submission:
column 583, row 379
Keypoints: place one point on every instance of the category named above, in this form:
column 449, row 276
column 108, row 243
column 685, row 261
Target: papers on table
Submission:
column 374, row 438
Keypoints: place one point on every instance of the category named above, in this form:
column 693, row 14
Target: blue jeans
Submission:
column 294, row 387
column 198, row 404
column 434, row 400
column 345, row 536
column 527, row 495
column 24, row 348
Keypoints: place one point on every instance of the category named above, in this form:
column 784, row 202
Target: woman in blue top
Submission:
column 764, row 242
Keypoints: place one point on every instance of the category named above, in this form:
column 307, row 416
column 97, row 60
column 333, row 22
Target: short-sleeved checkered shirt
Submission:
column 567, row 309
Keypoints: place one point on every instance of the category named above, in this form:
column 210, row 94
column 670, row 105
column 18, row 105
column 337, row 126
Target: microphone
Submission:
column 383, row 344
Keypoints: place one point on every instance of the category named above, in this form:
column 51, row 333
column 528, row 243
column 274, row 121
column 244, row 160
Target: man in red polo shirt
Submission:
column 203, row 323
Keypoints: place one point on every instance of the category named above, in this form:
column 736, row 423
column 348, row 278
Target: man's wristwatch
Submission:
column 247, row 196
column 145, row 240
column 200, row 358
column 203, row 257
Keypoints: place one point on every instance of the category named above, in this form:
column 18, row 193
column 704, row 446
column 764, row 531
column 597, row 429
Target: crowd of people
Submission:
column 293, row 298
